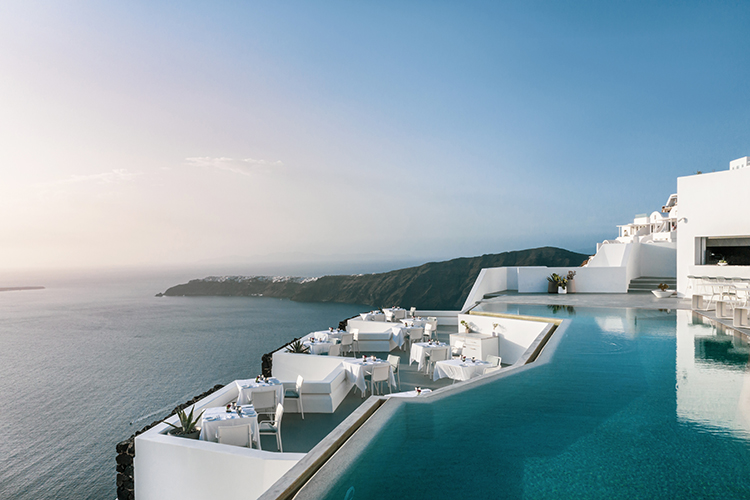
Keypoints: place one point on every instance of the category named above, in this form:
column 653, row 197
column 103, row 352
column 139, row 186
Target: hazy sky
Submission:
column 176, row 132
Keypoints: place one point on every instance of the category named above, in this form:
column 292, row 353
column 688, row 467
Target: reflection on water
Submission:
column 555, row 308
column 712, row 378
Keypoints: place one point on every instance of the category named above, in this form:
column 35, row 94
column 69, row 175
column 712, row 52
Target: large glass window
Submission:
column 734, row 250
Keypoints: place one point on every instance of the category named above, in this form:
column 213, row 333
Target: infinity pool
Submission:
column 633, row 404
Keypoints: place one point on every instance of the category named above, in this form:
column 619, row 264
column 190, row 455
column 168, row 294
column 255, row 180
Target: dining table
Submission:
column 318, row 347
column 397, row 313
column 414, row 322
column 419, row 351
column 213, row 418
column 459, row 370
column 328, row 335
column 243, row 397
column 357, row 368
column 373, row 316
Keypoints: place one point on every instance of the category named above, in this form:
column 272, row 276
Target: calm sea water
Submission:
column 91, row 359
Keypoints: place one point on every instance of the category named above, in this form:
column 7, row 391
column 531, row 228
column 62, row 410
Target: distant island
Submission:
column 435, row 285
column 16, row 288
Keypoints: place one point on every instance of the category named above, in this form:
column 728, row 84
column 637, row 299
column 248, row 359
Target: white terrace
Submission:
column 170, row 467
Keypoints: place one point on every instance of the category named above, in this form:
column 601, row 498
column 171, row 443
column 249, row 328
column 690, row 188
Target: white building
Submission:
column 714, row 225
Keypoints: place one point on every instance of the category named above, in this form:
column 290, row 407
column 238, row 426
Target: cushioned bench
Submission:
column 325, row 383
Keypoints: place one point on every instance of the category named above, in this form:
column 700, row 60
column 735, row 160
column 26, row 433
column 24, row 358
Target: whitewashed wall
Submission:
column 588, row 279
column 715, row 204
column 515, row 335
column 173, row 468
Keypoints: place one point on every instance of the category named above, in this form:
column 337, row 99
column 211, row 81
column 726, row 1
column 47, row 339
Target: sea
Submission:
column 96, row 356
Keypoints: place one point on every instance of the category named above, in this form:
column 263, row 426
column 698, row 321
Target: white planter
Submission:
column 664, row 294
column 561, row 290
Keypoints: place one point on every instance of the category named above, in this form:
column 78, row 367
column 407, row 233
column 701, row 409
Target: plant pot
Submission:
column 721, row 264
column 561, row 290
column 664, row 294
column 571, row 286
column 191, row 435
column 551, row 287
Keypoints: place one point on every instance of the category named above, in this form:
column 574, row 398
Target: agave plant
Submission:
column 187, row 422
column 297, row 347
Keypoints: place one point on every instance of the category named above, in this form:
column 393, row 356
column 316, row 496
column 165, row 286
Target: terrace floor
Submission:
column 300, row 436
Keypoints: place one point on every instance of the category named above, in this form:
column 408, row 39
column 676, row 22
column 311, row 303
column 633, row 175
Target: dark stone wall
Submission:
column 126, row 451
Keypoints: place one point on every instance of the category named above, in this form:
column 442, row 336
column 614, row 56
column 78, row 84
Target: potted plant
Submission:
column 187, row 427
column 663, row 291
column 553, row 283
column 571, row 288
column 562, row 284
column 466, row 326
column 297, row 347
column 723, row 262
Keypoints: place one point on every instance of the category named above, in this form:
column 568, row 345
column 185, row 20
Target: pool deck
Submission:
column 634, row 300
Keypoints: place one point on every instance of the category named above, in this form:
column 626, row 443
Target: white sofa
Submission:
column 374, row 336
column 325, row 386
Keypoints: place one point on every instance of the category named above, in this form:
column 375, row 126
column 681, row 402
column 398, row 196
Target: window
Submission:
column 735, row 250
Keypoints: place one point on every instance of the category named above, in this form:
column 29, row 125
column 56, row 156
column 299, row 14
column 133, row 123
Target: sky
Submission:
column 177, row 133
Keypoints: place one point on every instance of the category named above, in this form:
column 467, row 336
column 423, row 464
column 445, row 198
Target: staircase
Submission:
column 648, row 283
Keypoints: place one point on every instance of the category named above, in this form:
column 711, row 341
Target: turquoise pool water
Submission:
column 633, row 404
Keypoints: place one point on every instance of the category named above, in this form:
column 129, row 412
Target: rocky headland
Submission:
column 435, row 285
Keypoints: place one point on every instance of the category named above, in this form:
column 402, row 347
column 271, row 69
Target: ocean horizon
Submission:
column 95, row 356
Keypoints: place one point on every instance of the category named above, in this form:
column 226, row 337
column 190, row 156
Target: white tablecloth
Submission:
column 373, row 316
column 356, row 369
column 416, row 322
column 213, row 418
column 318, row 347
column 398, row 313
column 458, row 370
column 244, row 400
column 398, row 334
column 420, row 349
column 327, row 335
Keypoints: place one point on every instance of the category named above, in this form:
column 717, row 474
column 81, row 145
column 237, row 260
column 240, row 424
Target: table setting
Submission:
column 397, row 313
column 332, row 335
column 419, row 351
column 245, row 387
column 461, row 368
column 356, row 369
column 414, row 322
column 213, row 418
column 317, row 346
column 373, row 316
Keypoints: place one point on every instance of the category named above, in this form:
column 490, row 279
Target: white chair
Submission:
column 493, row 360
column 395, row 361
column 347, row 344
column 388, row 315
column 264, row 400
column 355, row 341
column 273, row 426
column 433, row 357
column 236, row 435
column 379, row 374
column 335, row 350
column 412, row 311
column 296, row 393
column 458, row 349
column 427, row 335
column 432, row 320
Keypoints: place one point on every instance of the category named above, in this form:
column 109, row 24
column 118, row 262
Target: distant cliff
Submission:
column 435, row 285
